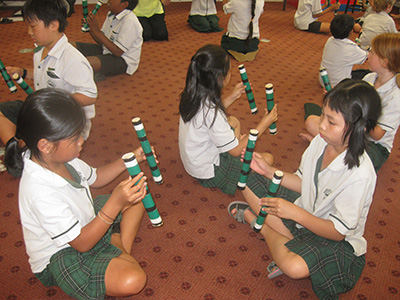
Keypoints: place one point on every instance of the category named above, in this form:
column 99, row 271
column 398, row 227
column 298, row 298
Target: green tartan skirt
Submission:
column 332, row 264
column 227, row 175
column 82, row 275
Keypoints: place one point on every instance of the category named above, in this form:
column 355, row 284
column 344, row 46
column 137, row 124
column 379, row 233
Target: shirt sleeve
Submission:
column 228, row 8
column 221, row 132
column 56, row 218
column 349, row 205
column 127, row 35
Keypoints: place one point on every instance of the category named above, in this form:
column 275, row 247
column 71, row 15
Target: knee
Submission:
column 311, row 123
column 296, row 270
column 134, row 282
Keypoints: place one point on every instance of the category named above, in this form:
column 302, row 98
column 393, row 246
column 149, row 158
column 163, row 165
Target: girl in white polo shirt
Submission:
column 315, row 225
column 209, row 142
column 68, row 234
column 242, row 36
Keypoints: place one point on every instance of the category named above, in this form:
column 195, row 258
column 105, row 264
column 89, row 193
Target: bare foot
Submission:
column 306, row 137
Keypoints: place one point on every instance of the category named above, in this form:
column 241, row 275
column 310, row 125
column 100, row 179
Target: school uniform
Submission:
column 53, row 212
column 203, row 16
column 65, row 68
column 342, row 196
column 338, row 58
column 200, row 144
column 125, row 31
column 304, row 13
column 388, row 121
column 375, row 24
column 152, row 17
column 238, row 26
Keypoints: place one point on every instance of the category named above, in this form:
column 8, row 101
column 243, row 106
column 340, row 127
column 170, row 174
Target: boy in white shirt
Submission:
column 307, row 13
column 340, row 53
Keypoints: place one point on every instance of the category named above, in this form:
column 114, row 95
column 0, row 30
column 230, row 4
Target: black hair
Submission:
column 204, row 81
column 341, row 26
column 252, row 9
column 131, row 3
column 48, row 113
column 360, row 105
column 46, row 11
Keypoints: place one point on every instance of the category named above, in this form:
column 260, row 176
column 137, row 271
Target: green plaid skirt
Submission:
column 332, row 264
column 82, row 275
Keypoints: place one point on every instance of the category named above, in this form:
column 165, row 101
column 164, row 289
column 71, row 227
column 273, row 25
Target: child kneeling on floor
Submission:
column 315, row 226
column 69, row 235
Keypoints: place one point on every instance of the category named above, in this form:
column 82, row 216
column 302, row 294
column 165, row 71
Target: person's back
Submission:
column 151, row 15
column 340, row 53
column 377, row 22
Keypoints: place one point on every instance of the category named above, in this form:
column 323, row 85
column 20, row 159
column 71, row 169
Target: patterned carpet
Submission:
column 201, row 252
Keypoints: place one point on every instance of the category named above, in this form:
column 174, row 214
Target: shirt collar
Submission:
column 58, row 48
column 120, row 15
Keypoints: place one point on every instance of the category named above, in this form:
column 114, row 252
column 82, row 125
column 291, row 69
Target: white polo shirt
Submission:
column 125, row 31
column 344, row 196
column 304, row 13
column 390, row 117
column 52, row 211
column 238, row 24
column 375, row 24
column 203, row 8
column 338, row 58
column 200, row 145
column 66, row 68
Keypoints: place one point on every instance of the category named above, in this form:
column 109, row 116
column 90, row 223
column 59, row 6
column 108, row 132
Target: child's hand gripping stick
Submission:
column 141, row 133
column 325, row 79
column 273, row 188
column 248, row 156
column 269, row 91
column 85, row 27
column 249, row 92
column 148, row 202
column 21, row 82
column 7, row 78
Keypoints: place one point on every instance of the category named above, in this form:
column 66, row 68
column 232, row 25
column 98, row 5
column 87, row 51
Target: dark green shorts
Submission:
column 378, row 154
column 10, row 109
column 82, row 275
column 110, row 64
column 205, row 23
column 231, row 43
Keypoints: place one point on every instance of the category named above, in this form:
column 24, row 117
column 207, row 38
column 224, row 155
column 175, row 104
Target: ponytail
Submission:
column 13, row 158
column 204, row 82
column 252, row 10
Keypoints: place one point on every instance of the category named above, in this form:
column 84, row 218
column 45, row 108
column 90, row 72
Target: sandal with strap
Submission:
column 241, row 207
column 273, row 270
